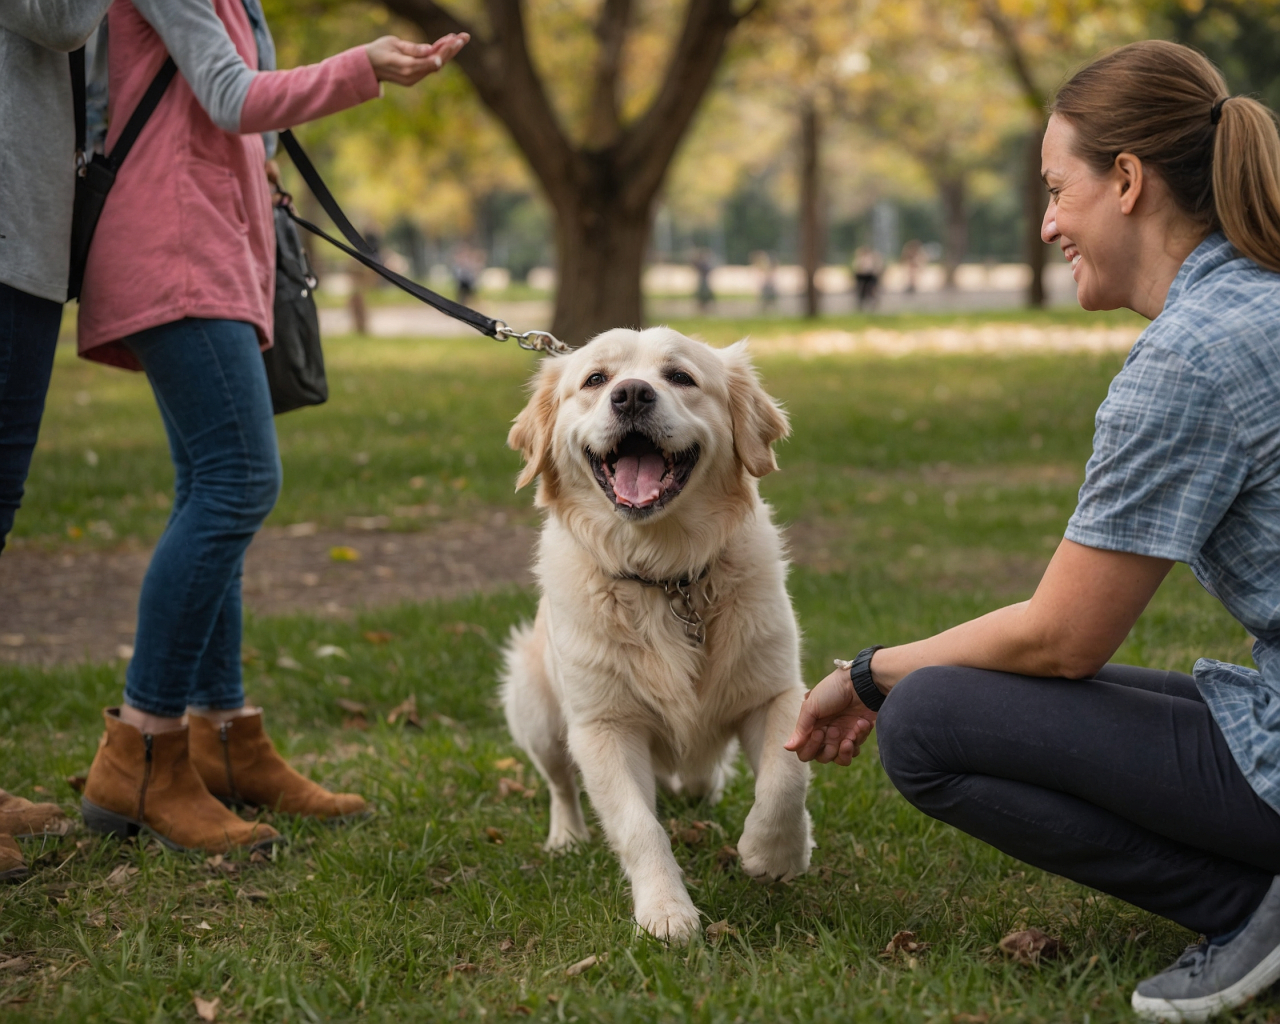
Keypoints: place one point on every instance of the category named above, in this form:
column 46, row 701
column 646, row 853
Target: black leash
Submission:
column 360, row 250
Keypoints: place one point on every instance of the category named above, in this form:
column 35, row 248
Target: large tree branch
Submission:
column 646, row 148
column 503, row 75
column 1008, row 35
column 603, row 121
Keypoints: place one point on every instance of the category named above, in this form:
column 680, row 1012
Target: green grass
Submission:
column 417, row 914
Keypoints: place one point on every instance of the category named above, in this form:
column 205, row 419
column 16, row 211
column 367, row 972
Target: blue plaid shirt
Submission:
column 1186, row 465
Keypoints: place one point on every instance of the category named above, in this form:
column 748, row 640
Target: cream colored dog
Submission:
column 664, row 635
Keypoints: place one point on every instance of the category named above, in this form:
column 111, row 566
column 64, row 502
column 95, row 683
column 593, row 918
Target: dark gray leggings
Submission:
column 1122, row 782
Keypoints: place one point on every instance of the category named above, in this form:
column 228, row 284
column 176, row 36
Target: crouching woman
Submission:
column 1159, row 788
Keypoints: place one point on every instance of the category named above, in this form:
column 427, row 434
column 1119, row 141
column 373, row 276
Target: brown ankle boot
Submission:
column 21, row 818
column 147, row 782
column 12, row 867
column 240, row 765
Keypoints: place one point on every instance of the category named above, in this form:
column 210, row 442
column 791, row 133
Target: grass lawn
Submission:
column 923, row 490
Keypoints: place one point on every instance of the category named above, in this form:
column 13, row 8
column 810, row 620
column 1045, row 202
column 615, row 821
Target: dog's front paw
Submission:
column 671, row 917
column 564, row 836
column 772, row 854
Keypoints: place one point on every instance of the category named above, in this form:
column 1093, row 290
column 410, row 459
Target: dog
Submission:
column 664, row 637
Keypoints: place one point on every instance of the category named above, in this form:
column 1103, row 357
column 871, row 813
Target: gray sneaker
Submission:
column 1209, row 979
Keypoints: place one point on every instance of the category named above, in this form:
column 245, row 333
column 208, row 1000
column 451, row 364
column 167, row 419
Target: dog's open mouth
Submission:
column 638, row 476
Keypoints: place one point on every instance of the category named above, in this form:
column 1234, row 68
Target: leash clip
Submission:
column 531, row 341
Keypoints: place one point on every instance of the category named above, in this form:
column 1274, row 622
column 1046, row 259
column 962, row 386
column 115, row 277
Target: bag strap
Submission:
column 142, row 112
column 78, row 100
column 359, row 249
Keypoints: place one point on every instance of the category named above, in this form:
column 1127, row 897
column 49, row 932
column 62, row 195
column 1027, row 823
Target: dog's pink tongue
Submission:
column 637, row 479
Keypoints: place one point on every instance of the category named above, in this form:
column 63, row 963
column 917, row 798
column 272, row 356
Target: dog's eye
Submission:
column 595, row 380
column 681, row 379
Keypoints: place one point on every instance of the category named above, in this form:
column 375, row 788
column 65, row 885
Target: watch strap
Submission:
column 860, row 676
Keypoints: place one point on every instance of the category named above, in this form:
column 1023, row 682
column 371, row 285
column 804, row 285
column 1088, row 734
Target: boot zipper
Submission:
column 146, row 778
column 226, row 757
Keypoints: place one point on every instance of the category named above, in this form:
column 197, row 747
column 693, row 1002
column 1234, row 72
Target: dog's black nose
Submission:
column 632, row 398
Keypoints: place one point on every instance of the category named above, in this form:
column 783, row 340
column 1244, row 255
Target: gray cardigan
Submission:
column 37, row 139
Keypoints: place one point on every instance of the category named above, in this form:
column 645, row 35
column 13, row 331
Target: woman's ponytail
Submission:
column 1246, row 180
column 1167, row 105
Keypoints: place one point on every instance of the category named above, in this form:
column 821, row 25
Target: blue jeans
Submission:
column 211, row 387
column 28, row 337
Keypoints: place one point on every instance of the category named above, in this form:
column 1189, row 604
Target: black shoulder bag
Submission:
column 95, row 178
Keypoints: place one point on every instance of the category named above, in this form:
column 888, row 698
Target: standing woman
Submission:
column 1159, row 788
column 180, row 284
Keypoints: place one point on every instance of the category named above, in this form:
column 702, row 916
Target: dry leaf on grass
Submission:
column 258, row 857
column 494, row 835
column 204, row 926
column 508, row 786
column 120, row 875
column 903, row 943
column 719, row 930
column 252, row 895
column 581, row 966
column 520, row 1010
column 506, row 946
column 207, row 1009
column 378, row 636
column 1030, row 946
column 406, row 709
column 691, row 836
column 505, row 764
column 17, row 963
column 351, row 707
column 331, row 651
column 726, row 857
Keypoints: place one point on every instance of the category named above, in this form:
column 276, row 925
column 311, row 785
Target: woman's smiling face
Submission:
column 1086, row 218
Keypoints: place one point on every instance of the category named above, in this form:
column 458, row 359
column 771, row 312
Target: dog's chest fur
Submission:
column 617, row 652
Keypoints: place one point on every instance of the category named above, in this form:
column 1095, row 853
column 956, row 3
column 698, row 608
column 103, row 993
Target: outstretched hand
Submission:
column 405, row 63
column 833, row 723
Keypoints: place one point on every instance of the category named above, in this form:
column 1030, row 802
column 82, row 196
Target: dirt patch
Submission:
column 71, row 605
column 67, row 606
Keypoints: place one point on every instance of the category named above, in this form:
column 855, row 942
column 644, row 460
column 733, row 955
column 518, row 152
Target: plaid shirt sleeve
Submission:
column 1166, row 461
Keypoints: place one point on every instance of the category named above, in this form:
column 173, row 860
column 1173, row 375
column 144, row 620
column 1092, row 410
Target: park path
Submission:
column 70, row 605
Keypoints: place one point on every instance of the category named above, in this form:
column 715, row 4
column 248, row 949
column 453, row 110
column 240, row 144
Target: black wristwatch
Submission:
column 860, row 676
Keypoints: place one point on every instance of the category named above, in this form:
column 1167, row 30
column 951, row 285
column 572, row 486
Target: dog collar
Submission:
column 680, row 599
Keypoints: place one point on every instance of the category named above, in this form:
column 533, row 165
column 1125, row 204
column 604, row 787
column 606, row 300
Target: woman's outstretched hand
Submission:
column 405, row 63
column 833, row 723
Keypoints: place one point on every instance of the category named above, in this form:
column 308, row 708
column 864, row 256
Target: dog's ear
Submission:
column 757, row 419
column 531, row 432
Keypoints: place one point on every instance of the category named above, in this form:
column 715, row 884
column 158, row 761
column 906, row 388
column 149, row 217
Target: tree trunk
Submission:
column 600, row 250
column 602, row 187
column 812, row 247
column 956, row 215
column 1034, row 201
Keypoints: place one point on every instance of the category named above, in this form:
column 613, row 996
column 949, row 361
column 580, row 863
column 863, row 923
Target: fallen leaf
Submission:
column 77, row 782
column 408, row 708
column 120, row 875
column 342, row 553
column 505, row 764
column 351, row 707
column 459, row 628
column 204, row 926
column 520, row 1010
column 252, row 895
column 903, row 942
column 581, row 966
column 258, row 857
column 378, row 636
column 207, row 1009
column 508, row 786
column 494, row 835
column 717, row 931
column 331, row 651
column 1030, row 946
column 97, row 919
column 726, row 856
column 506, row 946
column 288, row 662
column 15, row 964
column 465, row 968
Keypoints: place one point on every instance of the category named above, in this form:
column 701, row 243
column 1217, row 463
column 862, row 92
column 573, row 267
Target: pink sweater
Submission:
column 187, row 230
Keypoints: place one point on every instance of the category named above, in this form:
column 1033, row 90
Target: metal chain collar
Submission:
column 531, row 341
column 680, row 594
